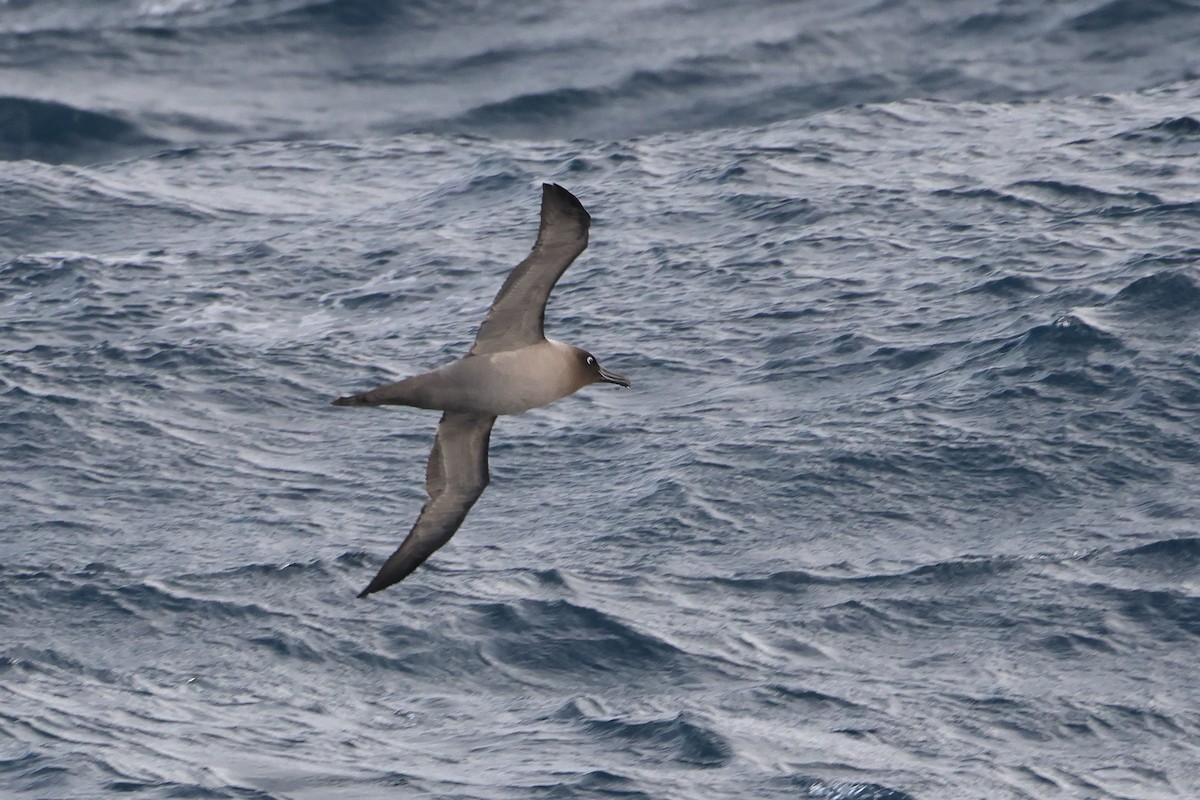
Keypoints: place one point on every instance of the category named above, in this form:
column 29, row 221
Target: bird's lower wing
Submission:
column 456, row 476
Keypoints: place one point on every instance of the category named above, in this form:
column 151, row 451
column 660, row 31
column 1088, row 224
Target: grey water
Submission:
column 902, row 504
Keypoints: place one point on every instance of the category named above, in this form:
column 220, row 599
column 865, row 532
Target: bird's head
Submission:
column 592, row 369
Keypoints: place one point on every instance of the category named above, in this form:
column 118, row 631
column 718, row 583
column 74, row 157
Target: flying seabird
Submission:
column 511, row 368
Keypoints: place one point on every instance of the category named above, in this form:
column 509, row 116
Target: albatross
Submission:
column 511, row 368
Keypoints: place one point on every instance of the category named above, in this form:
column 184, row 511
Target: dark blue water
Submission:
column 903, row 502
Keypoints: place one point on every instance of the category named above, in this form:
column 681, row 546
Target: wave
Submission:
column 162, row 19
column 811, row 701
column 682, row 96
column 988, row 195
column 1166, row 614
column 113, row 593
column 540, row 637
column 374, row 15
column 1176, row 553
column 1162, row 293
column 1168, row 130
column 965, row 570
column 57, row 133
column 1007, row 286
column 1120, row 14
column 1061, row 194
column 846, row 790
column 534, row 72
column 1069, row 334
column 681, row 738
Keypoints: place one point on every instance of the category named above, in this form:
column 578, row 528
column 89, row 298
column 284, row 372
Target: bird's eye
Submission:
column 591, row 362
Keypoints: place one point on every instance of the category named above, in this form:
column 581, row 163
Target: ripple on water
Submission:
column 1168, row 292
column 544, row 639
column 680, row 738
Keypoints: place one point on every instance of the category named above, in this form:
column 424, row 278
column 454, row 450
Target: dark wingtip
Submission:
column 374, row 586
column 554, row 193
column 354, row 400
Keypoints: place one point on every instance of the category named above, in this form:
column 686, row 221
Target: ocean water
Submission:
column 902, row 504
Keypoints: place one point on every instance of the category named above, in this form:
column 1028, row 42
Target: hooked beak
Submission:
column 612, row 377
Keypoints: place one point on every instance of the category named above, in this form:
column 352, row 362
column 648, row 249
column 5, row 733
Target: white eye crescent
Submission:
column 591, row 362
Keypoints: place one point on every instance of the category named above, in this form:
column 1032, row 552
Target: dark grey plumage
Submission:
column 511, row 368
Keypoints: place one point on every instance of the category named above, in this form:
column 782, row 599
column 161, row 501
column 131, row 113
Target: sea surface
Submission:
column 903, row 504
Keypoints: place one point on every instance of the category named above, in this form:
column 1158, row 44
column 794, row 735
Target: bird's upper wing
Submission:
column 455, row 477
column 515, row 318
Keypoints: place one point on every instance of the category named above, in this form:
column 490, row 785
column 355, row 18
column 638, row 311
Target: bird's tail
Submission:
column 413, row 391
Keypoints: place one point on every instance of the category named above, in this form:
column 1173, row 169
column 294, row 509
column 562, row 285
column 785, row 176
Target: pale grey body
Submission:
column 511, row 368
column 508, row 382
